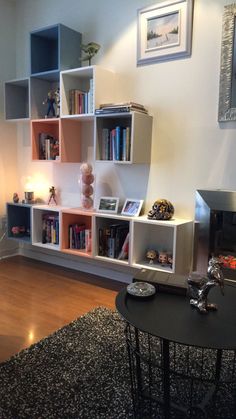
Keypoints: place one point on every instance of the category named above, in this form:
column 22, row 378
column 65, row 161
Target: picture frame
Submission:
column 164, row 31
column 132, row 207
column 108, row 204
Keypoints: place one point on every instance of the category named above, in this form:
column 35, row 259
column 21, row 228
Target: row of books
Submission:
column 114, row 241
column 50, row 228
column 120, row 108
column 48, row 147
column 81, row 102
column 79, row 237
column 116, row 144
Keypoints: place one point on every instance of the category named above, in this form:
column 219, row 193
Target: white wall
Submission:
column 8, row 149
column 190, row 149
column 8, row 162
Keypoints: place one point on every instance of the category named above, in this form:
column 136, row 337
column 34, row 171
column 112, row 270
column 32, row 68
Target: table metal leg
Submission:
column 166, row 377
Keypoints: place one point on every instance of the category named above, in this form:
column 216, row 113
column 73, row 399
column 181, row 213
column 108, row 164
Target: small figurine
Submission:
column 162, row 209
column 15, row 197
column 52, row 197
column 199, row 287
column 50, row 101
column 163, row 258
column 151, row 255
column 90, row 50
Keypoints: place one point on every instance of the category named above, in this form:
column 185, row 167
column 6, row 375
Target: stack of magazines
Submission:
column 120, row 107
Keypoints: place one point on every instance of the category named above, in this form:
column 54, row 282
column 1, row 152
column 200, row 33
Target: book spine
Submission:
column 117, row 143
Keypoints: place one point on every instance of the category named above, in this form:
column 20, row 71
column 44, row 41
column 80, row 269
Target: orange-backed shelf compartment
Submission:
column 67, row 133
column 73, row 217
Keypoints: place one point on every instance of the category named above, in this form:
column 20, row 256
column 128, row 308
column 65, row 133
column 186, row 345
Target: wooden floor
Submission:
column 37, row 298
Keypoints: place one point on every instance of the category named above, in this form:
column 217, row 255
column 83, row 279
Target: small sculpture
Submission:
column 15, row 197
column 199, row 287
column 161, row 210
column 151, row 255
column 90, row 50
column 52, row 196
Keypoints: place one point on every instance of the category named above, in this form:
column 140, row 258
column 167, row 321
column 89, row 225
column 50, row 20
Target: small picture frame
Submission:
column 108, row 204
column 132, row 207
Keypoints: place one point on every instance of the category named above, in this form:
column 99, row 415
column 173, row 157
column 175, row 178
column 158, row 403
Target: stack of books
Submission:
column 120, row 107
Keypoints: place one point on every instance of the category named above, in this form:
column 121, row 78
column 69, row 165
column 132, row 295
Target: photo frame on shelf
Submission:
column 108, row 204
column 164, row 31
column 132, row 207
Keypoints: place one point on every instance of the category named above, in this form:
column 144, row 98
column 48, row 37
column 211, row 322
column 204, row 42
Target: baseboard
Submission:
column 4, row 254
column 106, row 270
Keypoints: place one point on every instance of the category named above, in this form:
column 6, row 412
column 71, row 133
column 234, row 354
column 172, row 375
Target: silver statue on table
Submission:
column 199, row 287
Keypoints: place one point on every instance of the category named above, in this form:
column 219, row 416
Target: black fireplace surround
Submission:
column 215, row 230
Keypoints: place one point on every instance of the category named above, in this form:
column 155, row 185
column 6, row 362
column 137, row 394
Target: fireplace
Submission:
column 215, row 216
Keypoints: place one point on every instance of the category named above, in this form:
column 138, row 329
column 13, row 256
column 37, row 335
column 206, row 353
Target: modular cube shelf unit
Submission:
column 53, row 49
column 95, row 82
column 173, row 236
column 19, row 215
column 76, row 224
column 49, row 54
column 123, row 138
column 17, row 103
column 46, row 226
column 110, row 234
column 65, row 144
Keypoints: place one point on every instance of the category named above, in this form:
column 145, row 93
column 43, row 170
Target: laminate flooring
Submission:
column 37, row 298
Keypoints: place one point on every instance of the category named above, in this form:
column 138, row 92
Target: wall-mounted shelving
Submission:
column 19, row 222
column 92, row 84
column 53, row 49
column 46, row 227
column 17, row 100
column 123, row 137
column 77, row 226
column 172, row 237
column 115, row 239
column 56, row 140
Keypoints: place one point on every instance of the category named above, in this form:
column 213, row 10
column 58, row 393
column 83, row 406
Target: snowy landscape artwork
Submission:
column 163, row 31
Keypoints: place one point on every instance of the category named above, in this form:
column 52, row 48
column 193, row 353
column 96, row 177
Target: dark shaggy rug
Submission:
column 80, row 371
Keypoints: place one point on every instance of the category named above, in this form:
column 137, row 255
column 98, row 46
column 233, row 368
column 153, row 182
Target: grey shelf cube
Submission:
column 53, row 49
column 17, row 99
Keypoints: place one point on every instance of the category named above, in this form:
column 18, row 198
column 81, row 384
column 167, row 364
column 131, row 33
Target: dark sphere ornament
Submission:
column 161, row 210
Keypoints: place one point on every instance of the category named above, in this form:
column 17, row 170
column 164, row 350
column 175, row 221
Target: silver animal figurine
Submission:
column 199, row 287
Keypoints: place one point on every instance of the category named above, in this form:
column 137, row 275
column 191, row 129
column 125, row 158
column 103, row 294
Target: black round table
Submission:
column 167, row 338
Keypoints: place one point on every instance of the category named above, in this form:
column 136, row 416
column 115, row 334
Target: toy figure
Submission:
column 15, row 198
column 50, row 101
column 163, row 258
column 151, row 255
column 52, row 191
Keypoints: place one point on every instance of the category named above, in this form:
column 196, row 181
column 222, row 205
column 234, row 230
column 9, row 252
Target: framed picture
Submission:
column 164, row 31
column 108, row 204
column 132, row 207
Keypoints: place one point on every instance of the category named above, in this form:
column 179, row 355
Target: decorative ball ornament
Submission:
column 162, row 209
column 86, row 188
column 86, row 168
column 87, row 178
